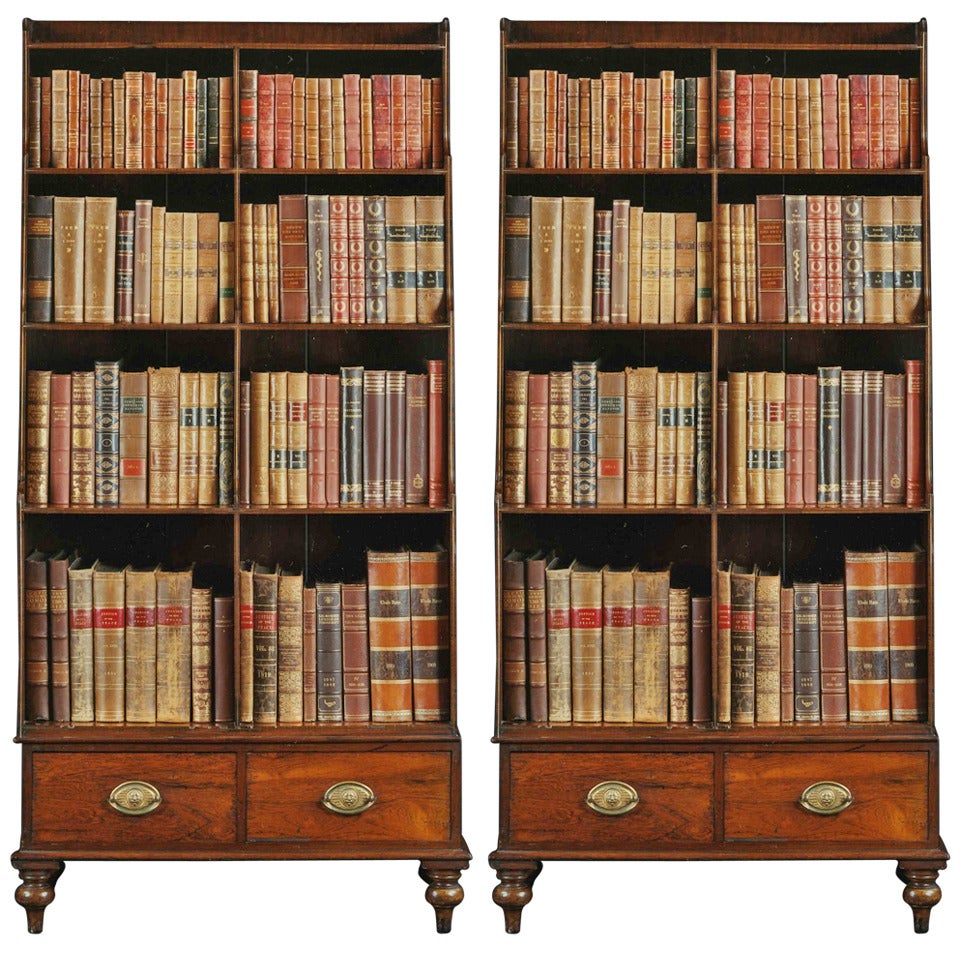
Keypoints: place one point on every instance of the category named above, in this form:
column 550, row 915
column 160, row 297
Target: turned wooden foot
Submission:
column 36, row 891
column 921, row 892
column 515, row 889
column 443, row 890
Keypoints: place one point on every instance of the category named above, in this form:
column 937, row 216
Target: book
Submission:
column 743, row 585
column 806, row 651
column 907, row 633
column 356, row 653
column 513, row 637
column 109, row 620
column 36, row 637
column 388, row 589
column 201, row 654
column 586, row 642
column 140, row 644
column 174, row 619
column 651, row 621
column 559, row 680
column 868, row 649
column 264, row 642
column 618, row 645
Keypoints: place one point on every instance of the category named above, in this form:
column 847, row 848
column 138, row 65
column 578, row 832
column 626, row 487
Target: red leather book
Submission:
column 437, row 418
column 123, row 307
column 413, row 120
column 382, row 117
column 293, row 258
column 786, row 655
column 701, row 701
column 224, row 708
column 875, row 120
column 872, row 468
column 794, row 439
column 726, row 118
column 610, row 85
column 523, row 122
column 851, row 437
column 761, row 120
column 743, row 126
column 816, row 259
column 891, row 120
column 417, row 431
column 266, row 120
column 351, row 120
column 60, row 429
column 388, row 586
column 537, row 439
column 830, row 120
column 868, row 654
column 915, row 433
column 316, row 440
column 374, row 435
column 356, row 653
column 810, row 424
column 46, row 113
column 243, row 654
column 602, row 241
column 833, row 223
column 36, row 639
column 771, row 260
column 339, row 259
column 398, row 121
column 73, row 120
column 513, row 637
column 859, row 122
column 356, row 261
column 833, row 654
column 310, row 654
column 907, row 611
column 894, row 439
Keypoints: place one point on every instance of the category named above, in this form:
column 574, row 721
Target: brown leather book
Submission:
column 602, row 244
column 297, row 438
column 374, row 435
column 620, row 261
column 431, row 259
column 557, row 592
column 99, row 259
column 266, row 120
column 174, row 618
column 158, row 240
column 760, row 121
column 36, row 637
column 833, row 654
column 679, row 654
column 586, row 642
column 398, row 121
column 513, row 637
column 737, row 440
column 750, row 260
column 651, row 637
column 278, row 449
column 723, row 442
column 430, row 636
column 123, row 267
column 437, row 413
column 244, row 649
column 868, row 650
column 653, row 125
column 265, row 639
column 771, row 260
column 120, row 122
column 148, row 119
column 283, row 118
column 189, row 440
column 915, row 445
column 610, row 85
column 685, row 268
column 810, row 425
column 417, row 434
column 559, row 450
column 721, row 659
column 201, row 654
column 576, row 257
column 701, row 700
column 142, row 260
column 226, row 272
column 705, row 283
column 333, row 439
column 756, row 438
column 767, row 652
column 618, row 607
column 726, row 118
column 774, row 472
column 59, row 636
column 356, row 261
column 189, row 269
column 537, row 133
column 878, row 260
column 913, row 107
column 894, row 439
column 743, row 585
column 207, row 439
column 224, row 709
column 803, row 123
column 793, row 440
column 173, row 232
column 537, row 436
column 666, row 475
column 81, row 437
column 58, row 417
column 381, row 108
column 514, row 458
column 668, row 259
column 108, row 643
column 872, row 470
column 316, row 440
column 743, row 127
column 776, row 123
column 133, row 437
column 724, row 278
column 738, row 263
column 309, row 653
column 388, row 587
column 546, row 262
column 686, row 418
column 851, row 439
column 891, row 121
column 356, row 653
column 834, row 231
column 640, row 384
column 163, row 434
column 401, row 259
column 208, row 268
column 273, row 264
column 163, row 117
column 611, row 430
column 907, row 612
column 325, row 122
column 290, row 647
column 627, row 111
column 394, row 436
column 68, row 258
column 374, row 264
column 243, row 446
column 786, row 655
column 59, row 121
column 828, row 435
column 80, row 617
column 830, row 121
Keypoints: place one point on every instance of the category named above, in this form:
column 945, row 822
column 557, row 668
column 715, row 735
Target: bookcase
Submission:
column 225, row 785
column 652, row 761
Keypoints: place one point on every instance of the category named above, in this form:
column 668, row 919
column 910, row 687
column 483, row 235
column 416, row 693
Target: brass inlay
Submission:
column 135, row 798
column 612, row 797
column 826, row 797
column 349, row 797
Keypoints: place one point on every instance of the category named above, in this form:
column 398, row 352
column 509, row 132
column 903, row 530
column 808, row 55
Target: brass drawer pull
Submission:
column 826, row 797
column 135, row 798
column 349, row 797
column 612, row 798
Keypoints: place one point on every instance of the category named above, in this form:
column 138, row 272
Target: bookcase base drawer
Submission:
column 609, row 801
column 106, row 799
column 887, row 799
column 323, row 797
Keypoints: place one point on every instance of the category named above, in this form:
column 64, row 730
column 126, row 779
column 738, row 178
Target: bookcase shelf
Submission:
column 706, row 789
column 218, row 783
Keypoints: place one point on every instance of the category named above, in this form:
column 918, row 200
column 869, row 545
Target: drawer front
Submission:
column 411, row 796
column 71, row 798
column 762, row 793
column 549, row 791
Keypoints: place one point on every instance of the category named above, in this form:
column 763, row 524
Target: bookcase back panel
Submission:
column 266, row 189
column 746, row 187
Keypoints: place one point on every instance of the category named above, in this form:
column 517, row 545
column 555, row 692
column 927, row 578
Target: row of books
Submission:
column 113, row 644
column 90, row 262
column 387, row 121
column 108, row 438
column 363, row 437
column 137, row 121
column 821, row 259
column 614, row 121
column 343, row 259
column 837, row 437
column 864, row 121
column 565, row 262
column 585, row 438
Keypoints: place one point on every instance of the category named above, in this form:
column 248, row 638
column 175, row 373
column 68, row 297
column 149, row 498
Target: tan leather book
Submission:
column 81, row 438
column 80, row 619
column 907, row 259
column 106, row 120
column 278, row 439
column 635, row 265
column 611, row 430
column 142, row 260
column 538, row 438
column 816, row 123
column 546, row 235
column 158, row 239
column 290, row 641
column 312, row 123
column 37, row 447
column 737, row 437
column 174, row 616
column 299, row 122
column 641, row 435
column 259, row 438
column 596, row 122
column 667, row 107
column 309, row 627
column 108, row 643
column 133, row 126
column 297, row 439
column 650, row 268
column 148, row 113
column 668, row 257
column 401, row 259
column 207, row 292
column 337, row 127
column 776, row 123
column 738, row 263
column 666, row 476
column 878, row 260
column 617, row 645
column 750, row 259
column 756, row 439
column 189, row 78
column 119, row 125
column 803, row 123
column 431, row 259
column 586, row 642
column 767, row 649
column 325, row 122
column 174, row 123
column 721, row 660
column 133, row 437
column 514, row 455
column 686, row 419
column 245, row 264
column 787, row 702
column 207, row 439
column 576, row 266
column 163, row 434
column 724, row 278
column 679, row 654
column 141, row 644
column 260, row 296
column 98, row 257
column 843, row 121
column 559, row 438
column 559, row 702
column 59, row 124
column 226, row 272
column 273, row 263
column 774, row 472
column 173, row 268
column 610, row 84
column 201, row 654
column 188, row 449
column 626, row 81
column 685, row 268
column 429, row 634
column 366, row 119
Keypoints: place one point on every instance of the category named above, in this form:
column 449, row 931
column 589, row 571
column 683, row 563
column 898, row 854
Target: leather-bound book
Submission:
column 726, row 118
column 208, row 266
column 162, row 120
column 701, row 701
column 743, row 585
column 437, row 413
column 318, row 259
column 36, row 637
column 350, row 108
column 290, row 647
column 907, row 259
column 828, row 435
column 843, row 121
column 573, row 121
column 834, row 235
column 266, row 120
column 211, row 157
column 401, row 259
column 388, row 587
column 891, row 120
column 511, row 108
column 894, row 439
column 851, row 437
column 373, row 427
column 907, row 612
column 650, row 267
column 325, row 122
column 142, row 260
column 106, row 405
column 265, row 627
column 559, row 453
column 33, row 122
column 189, row 440
column 810, row 439
column 80, row 618
column 686, row 442
column 108, row 643
column 174, row 619
column 120, row 122
column 584, row 437
column 795, row 249
column 356, row 653
column 738, row 263
column 679, row 654
column 189, row 289
column 685, row 268
column 431, row 259
column 610, row 83
column 596, row 123
column 557, row 592
column 296, row 438
column 724, row 279
column 513, row 637
column 59, row 122
column 58, row 439
column 750, row 257
column 688, row 158
column 743, row 127
column 786, row 655
column 586, row 642
column 668, row 230
column 667, row 112
column 190, row 138
column 283, row 120
column 617, row 645
column 806, row 651
column 576, row 258
column 99, row 259
column 374, row 262
column 756, row 438
column 702, row 143
column 243, row 446
column 816, row 123
column 95, row 133
column 39, row 247
column 340, row 260
column 872, row 446
column 774, row 471
column 398, row 120
column 430, row 636
column 767, row 650
column 394, row 437
column 771, row 260
column 620, row 261
column 81, row 437
column 417, row 433
column 309, row 654
column 277, row 476
column 201, row 654
column 133, row 437
column 356, row 265
column 123, row 267
column 382, row 134
column 59, row 636
column 635, row 265
column 516, row 259
column 868, row 652
column 723, row 442
column 273, row 264
column 793, row 440
column 666, row 476
column 333, row 439
column 833, row 654
column 916, row 159
column 651, row 640
column 133, row 125
column 107, row 124
column 611, row 428
column 641, row 435
column 537, row 436
column 737, row 446
column 244, row 656
column 260, row 433
column 225, row 393
column 602, row 258
column 803, row 123
column 224, row 704
column 829, row 121
column 173, row 268
column 158, row 241
column 537, row 118
column 546, row 234
column 915, row 432
column 878, row 260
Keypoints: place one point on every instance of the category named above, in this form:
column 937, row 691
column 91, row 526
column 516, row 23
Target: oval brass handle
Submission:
column 349, row 797
column 612, row 798
column 826, row 797
column 134, row 798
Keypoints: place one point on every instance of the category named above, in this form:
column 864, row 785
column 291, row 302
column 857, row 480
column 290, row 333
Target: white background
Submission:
column 714, row 910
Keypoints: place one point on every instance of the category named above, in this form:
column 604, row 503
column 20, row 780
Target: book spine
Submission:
column 915, row 461
column 557, row 592
column 332, row 441
column 297, row 439
column 437, row 413
column 793, row 440
column 516, row 259
column 868, row 652
column 767, row 652
column 245, row 647
column 685, row 268
column 316, row 440
column 157, row 262
column 617, row 646
column 651, row 643
column 265, row 626
column 907, row 613
column 851, row 437
column 742, row 647
column 546, row 233
column 260, row 494
column 872, row 447
column 774, row 473
column 319, row 277
column 413, row 120
column 559, row 453
column 107, row 432
column 375, row 283
column 679, row 654
column 576, row 257
column 701, row 700
column 610, row 84
column 80, row 607
column 704, row 439
column 108, row 645
column 803, row 123
column 58, row 439
column 175, row 124
column 810, row 439
column 142, row 262
column 132, row 450
column 212, row 153
column 668, row 228
column 388, row 586
column 81, row 437
column 201, row 654
column 586, row 644
column 723, row 442
column 290, row 648
column 309, row 654
column 833, row 654
column 787, row 701
column 536, row 636
column 726, row 119
column 99, row 259
column 816, row 259
column 795, row 245
column 513, row 638
column 724, row 279
column 398, row 121
column 776, row 123
column 756, row 439
column 373, row 418
column 852, row 234
column 878, row 260
column 830, row 120
column 737, row 445
column 834, row 261
column 401, row 259
column 894, row 439
column 356, row 653
column 189, row 440
column 686, row 441
column 189, row 269
column 620, row 262
column 292, row 216
column 356, row 265
column 611, row 429
column 771, row 260
column 224, row 703
column 266, row 121
column 584, row 435
column 59, row 633
column 602, row 241
column 207, row 429
column 760, row 121
column 667, row 116
column 279, row 445
column 173, row 268
column 722, row 659
column 283, row 110
column 650, row 279
column 537, row 438
column 36, row 638
column 907, row 260
column 39, row 244
column 430, row 637
column 828, row 435
column 395, row 437
column 226, row 445
column 806, row 651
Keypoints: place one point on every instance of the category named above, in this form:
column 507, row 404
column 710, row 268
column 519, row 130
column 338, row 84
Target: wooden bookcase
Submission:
column 713, row 791
column 209, row 775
